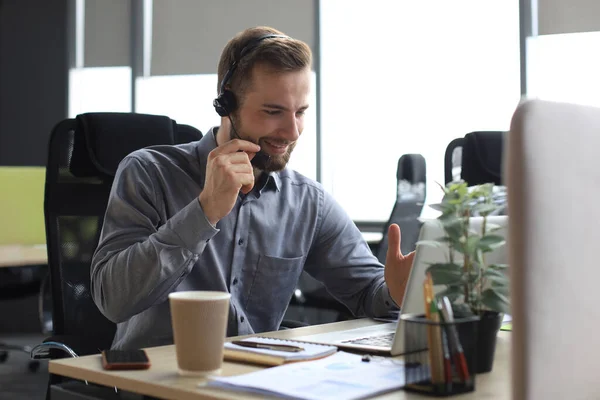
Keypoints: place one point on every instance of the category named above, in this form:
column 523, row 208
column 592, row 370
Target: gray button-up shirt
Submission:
column 156, row 240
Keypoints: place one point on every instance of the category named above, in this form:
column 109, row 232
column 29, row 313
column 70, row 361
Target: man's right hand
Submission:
column 228, row 170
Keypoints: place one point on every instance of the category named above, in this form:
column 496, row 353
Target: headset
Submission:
column 226, row 102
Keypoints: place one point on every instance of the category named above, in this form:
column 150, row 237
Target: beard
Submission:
column 262, row 160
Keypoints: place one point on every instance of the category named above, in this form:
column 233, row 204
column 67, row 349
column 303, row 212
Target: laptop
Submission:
column 388, row 338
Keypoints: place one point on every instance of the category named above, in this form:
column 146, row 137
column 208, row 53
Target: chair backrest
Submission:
column 452, row 160
column 482, row 157
column 83, row 156
column 411, row 179
column 553, row 258
column 479, row 155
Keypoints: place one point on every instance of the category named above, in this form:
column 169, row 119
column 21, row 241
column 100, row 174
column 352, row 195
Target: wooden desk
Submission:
column 21, row 255
column 162, row 379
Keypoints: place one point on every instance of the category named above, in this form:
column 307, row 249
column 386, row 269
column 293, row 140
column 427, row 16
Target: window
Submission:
column 408, row 77
column 106, row 89
column 564, row 68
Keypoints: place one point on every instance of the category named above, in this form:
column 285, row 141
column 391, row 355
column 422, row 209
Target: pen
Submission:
column 447, row 361
column 268, row 346
column 461, row 362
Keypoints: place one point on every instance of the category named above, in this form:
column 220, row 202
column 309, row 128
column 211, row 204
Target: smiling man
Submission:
column 225, row 213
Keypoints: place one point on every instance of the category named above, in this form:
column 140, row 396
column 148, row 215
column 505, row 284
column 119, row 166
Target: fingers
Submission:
column 236, row 158
column 234, row 146
column 242, row 168
column 394, row 238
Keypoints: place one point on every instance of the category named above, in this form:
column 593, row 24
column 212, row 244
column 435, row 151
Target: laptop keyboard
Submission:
column 379, row 340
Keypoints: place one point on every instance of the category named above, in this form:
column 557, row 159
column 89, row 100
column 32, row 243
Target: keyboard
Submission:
column 385, row 340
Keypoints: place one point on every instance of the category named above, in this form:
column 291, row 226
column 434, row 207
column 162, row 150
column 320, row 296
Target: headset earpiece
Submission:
column 225, row 104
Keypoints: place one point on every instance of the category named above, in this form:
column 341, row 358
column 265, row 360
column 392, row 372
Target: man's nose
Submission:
column 290, row 128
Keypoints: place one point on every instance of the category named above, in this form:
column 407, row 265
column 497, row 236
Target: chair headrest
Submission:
column 482, row 157
column 411, row 168
column 102, row 140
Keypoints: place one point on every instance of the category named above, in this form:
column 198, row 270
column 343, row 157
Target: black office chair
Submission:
column 83, row 156
column 480, row 158
column 452, row 160
column 411, row 180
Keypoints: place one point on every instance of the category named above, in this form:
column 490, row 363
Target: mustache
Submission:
column 277, row 142
column 261, row 158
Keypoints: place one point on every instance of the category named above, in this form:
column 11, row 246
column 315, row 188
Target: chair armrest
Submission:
column 62, row 346
column 42, row 350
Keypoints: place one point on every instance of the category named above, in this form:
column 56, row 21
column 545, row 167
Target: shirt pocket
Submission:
column 274, row 283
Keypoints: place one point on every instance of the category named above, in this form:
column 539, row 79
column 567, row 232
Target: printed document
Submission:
column 339, row 376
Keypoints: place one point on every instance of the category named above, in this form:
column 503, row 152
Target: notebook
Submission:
column 310, row 351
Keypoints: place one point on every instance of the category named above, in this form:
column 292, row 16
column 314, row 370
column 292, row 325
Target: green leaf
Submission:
column 459, row 188
column 495, row 301
column 472, row 244
column 496, row 276
column 444, row 208
column 479, row 257
column 484, row 209
column 498, row 266
column 469, row 247
column 453, row 228
column 501, row 288
column 488, row 243
column 445, row 273
column 490, row 227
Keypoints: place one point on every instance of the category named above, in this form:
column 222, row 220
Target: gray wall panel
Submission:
column 568, row 16
column 107, row 33
column 188, row 35
column 33, row 77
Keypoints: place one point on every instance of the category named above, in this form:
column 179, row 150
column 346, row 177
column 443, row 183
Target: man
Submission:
column 225, row 214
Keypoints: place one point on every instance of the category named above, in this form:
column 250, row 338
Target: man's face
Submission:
column 272, row 114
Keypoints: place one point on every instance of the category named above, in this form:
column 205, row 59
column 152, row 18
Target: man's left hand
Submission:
column 397, row 266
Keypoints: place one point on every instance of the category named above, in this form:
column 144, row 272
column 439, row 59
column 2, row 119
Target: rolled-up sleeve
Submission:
column 342, row 260
column 140, row 259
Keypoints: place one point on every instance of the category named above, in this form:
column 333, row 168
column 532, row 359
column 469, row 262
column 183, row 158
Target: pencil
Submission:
column 437, row 375
column 429, row 329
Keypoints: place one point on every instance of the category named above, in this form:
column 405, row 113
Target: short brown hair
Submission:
column 280, row 54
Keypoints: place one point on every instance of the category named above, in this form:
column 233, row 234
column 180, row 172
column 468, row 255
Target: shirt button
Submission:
column 241, row 242
column 387, row 303
column 235, row 281
column 242, row 318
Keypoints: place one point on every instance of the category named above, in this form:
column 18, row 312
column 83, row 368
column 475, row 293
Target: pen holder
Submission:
column 439, row 357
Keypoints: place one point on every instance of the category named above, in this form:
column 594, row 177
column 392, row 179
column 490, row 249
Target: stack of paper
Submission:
column 340, row 376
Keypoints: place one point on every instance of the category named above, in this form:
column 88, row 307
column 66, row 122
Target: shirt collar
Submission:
column 209, row 142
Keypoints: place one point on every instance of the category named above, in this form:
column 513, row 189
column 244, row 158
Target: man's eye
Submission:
column 272, row 112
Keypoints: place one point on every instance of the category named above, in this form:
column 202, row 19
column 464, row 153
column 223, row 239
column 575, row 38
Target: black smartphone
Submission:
column 125, row 359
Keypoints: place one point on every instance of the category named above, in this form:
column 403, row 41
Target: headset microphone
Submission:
column 261, row 158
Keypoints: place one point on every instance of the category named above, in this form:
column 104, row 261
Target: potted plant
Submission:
column 473, row 286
